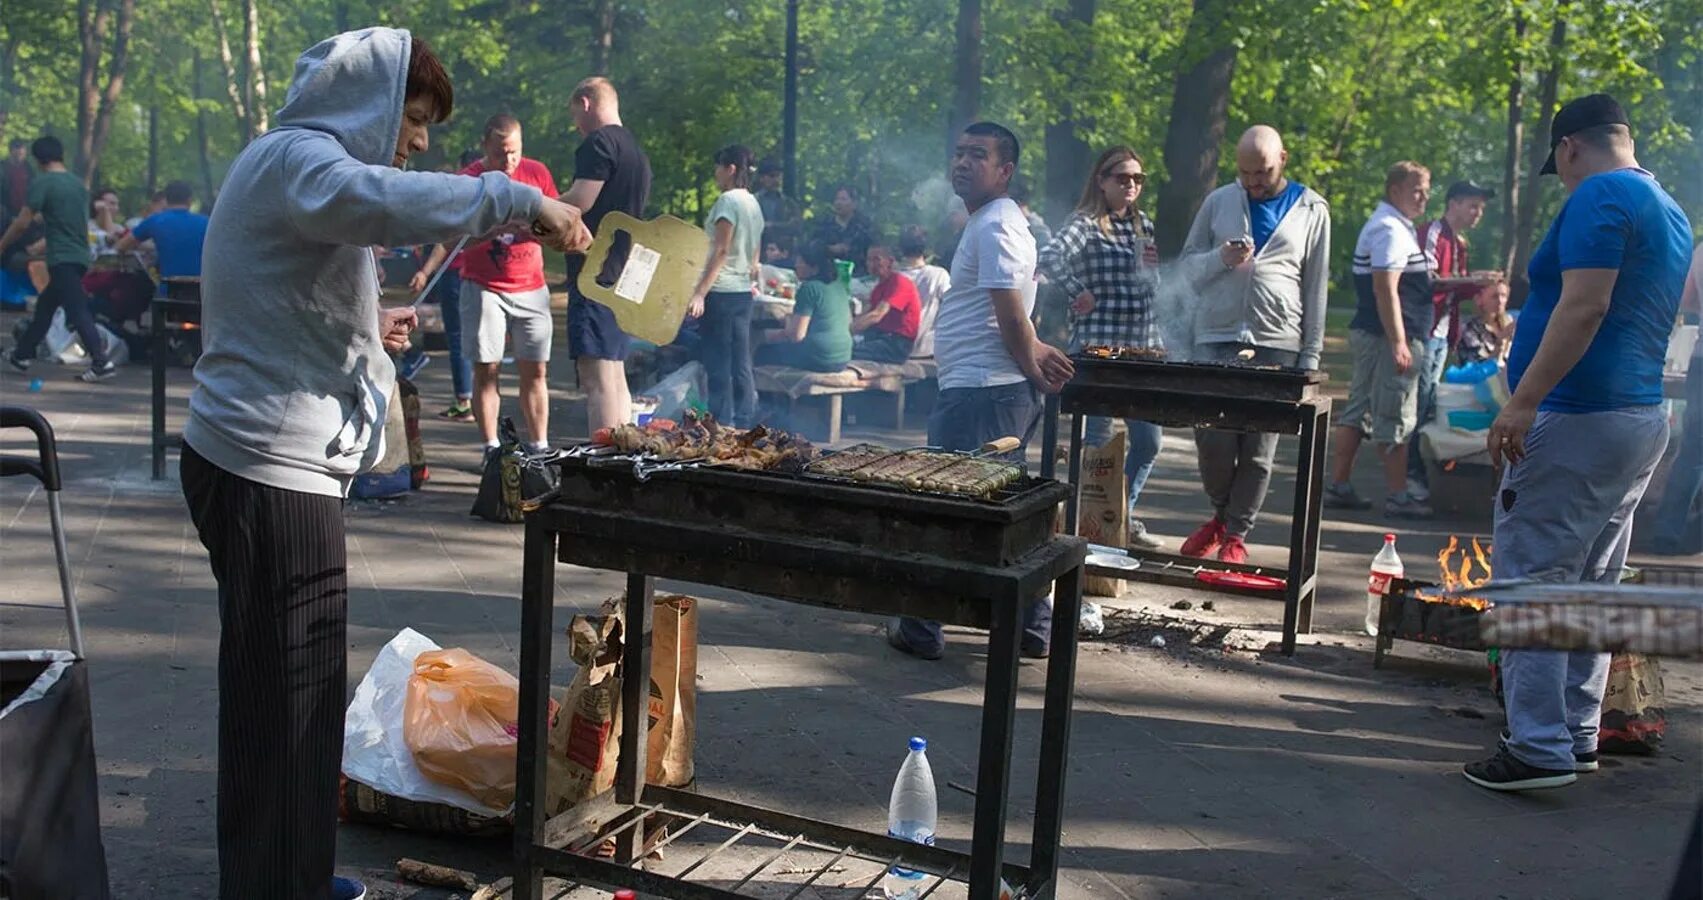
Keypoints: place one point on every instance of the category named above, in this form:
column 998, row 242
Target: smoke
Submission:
column 1173, row 310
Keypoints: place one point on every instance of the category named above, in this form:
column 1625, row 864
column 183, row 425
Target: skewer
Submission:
column 819, row 873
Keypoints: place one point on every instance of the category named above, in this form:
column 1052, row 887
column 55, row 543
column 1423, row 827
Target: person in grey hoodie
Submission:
column 289, row 405
column 1258, row 260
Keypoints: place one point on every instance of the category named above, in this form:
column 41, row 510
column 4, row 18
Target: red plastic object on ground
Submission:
column 1241, row 580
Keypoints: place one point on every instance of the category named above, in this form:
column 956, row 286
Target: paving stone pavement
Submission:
column 1192, row 774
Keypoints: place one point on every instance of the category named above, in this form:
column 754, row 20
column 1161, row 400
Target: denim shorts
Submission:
column 592, row 332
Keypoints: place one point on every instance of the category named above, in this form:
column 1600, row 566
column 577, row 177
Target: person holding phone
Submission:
column 1257, row 259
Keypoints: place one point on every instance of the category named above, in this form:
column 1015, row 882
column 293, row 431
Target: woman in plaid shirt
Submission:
column 1105, row 259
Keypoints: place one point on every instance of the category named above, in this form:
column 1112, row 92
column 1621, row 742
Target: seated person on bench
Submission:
column 817, row 336
column 888, row 328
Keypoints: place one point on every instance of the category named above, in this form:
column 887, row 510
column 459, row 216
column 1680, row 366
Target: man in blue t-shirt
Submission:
column 1584, row 428
column 176, row 232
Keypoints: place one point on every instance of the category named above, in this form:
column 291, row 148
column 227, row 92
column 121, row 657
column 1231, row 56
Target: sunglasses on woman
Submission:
column 1134, row 179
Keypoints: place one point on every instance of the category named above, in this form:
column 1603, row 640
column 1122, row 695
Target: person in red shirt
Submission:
column 889, row 326
column 503, row 295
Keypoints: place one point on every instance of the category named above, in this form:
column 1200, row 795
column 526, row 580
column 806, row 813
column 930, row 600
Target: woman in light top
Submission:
column 723, row 295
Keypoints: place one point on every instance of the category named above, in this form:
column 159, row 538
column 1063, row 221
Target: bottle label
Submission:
column 1379, row 583
column 916, row 836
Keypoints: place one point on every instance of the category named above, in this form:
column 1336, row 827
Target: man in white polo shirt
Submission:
column 992, row 366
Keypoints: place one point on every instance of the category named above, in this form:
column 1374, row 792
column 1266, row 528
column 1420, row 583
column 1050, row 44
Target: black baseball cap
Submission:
column 768, row 167
column 1468, row 189
column 1578, row 115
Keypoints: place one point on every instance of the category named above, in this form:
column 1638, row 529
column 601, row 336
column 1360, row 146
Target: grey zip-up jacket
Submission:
column 293, row 380
column 1278, row 299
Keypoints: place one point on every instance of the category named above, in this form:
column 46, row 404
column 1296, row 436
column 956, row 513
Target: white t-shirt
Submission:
column 996, row 251
column 932, row 282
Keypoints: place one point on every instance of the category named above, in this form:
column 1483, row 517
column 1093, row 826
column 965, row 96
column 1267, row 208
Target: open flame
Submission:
column 1457, row 573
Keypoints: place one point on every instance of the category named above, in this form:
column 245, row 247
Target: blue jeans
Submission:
column 1564, row 514
column 448, row 293
column 725, row 351
column 1436, row 360
column 964, row 419
column 1144, row 442
column 1675, row 531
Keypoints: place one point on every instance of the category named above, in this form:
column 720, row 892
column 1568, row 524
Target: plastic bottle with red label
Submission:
column 1385, row 566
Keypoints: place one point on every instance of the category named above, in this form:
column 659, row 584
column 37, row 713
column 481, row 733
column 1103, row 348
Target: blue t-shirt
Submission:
column 1263, row 215
column 1616, row 220
column 177, row 235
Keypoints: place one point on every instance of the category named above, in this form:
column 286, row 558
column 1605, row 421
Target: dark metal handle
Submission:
column 45, row 468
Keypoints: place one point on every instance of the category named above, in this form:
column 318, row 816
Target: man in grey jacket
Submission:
column 1257, row 259
column 289, row 405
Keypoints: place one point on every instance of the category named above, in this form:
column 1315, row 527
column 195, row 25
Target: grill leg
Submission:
column 537, row 608
column 1055, row 734
column 1078, row 424
column 635, row 710
column 157, row 342
column 1049, row 436
column 993, row 763
column 1304, row 531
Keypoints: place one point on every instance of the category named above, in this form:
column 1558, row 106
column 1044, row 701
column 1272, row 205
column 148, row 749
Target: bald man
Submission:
column 611, row 174
column 1257, row 259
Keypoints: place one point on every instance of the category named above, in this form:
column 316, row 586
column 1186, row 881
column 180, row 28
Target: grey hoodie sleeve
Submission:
column 1315, row 288
column 338, row 200
column 1200, row 259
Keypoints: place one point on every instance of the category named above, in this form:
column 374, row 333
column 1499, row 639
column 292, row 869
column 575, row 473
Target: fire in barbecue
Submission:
column 1457, row 573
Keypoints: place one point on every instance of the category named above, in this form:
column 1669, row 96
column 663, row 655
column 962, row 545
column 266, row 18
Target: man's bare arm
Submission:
column 1044, row 365
column 583, row 193
column 18, row 227
column 875, row 314
column 1385, row 287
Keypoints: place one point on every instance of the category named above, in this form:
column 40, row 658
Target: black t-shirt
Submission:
column 611, row 155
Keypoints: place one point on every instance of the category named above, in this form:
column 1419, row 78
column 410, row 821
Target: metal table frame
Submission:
column 806, row 570
column 1310, row 419
column 182, row 296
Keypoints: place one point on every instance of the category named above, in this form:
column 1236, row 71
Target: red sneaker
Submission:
column 1205, row 539
column 1233, row 550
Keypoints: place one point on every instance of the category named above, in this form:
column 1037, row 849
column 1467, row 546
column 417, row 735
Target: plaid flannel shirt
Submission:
column 1082, row 257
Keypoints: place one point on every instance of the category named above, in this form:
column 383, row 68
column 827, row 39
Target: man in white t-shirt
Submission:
column 992, row 366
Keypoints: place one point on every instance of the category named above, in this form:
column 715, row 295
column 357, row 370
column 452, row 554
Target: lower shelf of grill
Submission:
column 704, row 848
column 1184, row 571
column 1404, row 617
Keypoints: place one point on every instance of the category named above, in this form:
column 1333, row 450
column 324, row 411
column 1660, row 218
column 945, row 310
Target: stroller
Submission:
column 50, row 840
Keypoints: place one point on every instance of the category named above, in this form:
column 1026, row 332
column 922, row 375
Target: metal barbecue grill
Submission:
column 1207, row 395
column 819, row 541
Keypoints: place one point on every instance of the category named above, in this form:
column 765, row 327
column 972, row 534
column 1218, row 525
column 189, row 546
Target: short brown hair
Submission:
column 427, row 78
column 597, row 89
column 1403, row 172
column 501, row 123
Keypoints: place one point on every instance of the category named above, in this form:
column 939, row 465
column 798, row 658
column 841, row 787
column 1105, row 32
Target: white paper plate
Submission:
column 1113, row 561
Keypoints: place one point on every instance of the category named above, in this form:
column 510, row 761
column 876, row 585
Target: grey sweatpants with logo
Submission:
column 1235, row 466
column 1564, row 513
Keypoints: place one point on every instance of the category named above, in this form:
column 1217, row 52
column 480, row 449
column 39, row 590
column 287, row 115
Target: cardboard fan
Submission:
column 651, row 292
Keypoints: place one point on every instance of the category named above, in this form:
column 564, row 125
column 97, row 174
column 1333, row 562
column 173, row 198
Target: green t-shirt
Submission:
column 828, row 339
column 64, row 206
column 738, row 206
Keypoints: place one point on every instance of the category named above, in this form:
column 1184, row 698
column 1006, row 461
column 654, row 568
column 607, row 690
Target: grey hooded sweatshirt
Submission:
column 293, row 380
column 1277, row 300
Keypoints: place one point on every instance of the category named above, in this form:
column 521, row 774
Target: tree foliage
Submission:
column 1354, row 85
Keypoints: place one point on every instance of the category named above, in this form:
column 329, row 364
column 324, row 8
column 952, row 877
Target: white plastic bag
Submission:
column 1092, row 621
column 682, row 389
column 63, row 346
column 375, row 749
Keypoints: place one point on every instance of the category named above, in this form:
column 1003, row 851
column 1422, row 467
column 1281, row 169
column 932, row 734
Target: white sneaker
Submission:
column 1139, row 538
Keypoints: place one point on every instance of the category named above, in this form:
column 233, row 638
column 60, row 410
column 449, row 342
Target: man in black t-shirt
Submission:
column 611, row 174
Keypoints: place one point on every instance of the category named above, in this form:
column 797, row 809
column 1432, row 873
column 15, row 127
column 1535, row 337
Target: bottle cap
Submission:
column 1389, row 538
column 919, row 744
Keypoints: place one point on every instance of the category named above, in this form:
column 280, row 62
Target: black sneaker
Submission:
column 1582, row 762
column 21, row 365
column 1034, row 649
column 898, row 642
column 1343, row 496
column 1505, row 772
column 1405, row 506
column 98, row 373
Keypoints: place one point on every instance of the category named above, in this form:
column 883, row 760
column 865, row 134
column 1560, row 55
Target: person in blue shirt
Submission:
column 176, row 232
column 1584, row 429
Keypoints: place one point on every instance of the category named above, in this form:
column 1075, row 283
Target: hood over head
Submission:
column 339, row 85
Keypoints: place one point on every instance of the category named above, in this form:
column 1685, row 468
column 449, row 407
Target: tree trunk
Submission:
column 256, row 85
column 1200, row 104
column 966, row 70
column 8, row 72
column 201, row 132
column 232, row 89
column 603, row 37
column 97, row 101
column 153, row 150
column 1525, row 227
column 1516, row 132
column 1068, row 155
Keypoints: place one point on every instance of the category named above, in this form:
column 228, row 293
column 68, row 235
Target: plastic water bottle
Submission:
column 1385, row 566
column 911, row 814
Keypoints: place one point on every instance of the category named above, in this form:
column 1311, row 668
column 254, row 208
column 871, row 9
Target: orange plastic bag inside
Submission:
column 460, row 721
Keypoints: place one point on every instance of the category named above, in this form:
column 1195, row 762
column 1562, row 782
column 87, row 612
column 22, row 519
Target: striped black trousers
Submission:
column 282, row 568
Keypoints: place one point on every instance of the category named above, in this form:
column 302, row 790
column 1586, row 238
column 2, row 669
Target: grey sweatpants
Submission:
column 1564, row 513
column 1235, row 466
